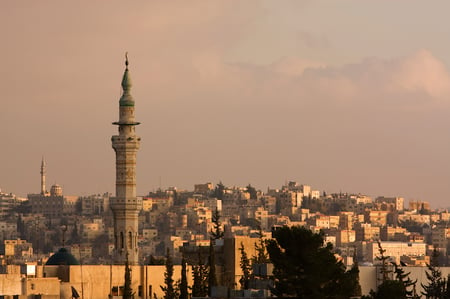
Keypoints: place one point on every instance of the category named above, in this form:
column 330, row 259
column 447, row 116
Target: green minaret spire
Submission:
column 126, row 99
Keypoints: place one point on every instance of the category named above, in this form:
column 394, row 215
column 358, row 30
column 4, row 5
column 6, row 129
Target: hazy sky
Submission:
column 341, row 95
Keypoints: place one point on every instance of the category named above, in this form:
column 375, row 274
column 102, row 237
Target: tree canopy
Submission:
column 245, row 267
column 127, row 290
column 304, row 267
column 169, row 289
column 436, row 287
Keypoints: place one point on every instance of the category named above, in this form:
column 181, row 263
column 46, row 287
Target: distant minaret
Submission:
column 125, row 206
column 43, row 191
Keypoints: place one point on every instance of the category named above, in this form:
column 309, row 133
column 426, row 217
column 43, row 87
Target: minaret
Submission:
column 43, row 191
column 125, row 206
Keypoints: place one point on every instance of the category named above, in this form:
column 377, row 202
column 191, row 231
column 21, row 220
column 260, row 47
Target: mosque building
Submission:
column 54, row 203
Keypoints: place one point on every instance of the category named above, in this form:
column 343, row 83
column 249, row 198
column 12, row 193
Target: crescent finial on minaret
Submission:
column 126, row 85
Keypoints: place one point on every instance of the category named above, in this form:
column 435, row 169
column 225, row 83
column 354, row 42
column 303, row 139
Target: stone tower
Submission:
column 43, row 191
column 125, row 206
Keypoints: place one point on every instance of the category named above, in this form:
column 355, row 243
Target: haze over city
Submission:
column 349, row 96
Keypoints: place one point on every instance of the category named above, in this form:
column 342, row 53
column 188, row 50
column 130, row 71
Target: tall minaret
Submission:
column 125, row 206
column 43, row 191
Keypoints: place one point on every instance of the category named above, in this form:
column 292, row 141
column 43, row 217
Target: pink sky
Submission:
column 347, row 96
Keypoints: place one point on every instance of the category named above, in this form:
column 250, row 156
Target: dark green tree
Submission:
column 219, row 191
column 408, row 284
column 75, row 237
column 384, row 270
column 252, row 191
column 436, row 287
column 216, row 232
column 350, row 281
column 183, row 283
column 303, row 266
column 169, row 290
column 212, row 278
column 151, row 260
column 127, row 290
column 246, row 269
column 260, row 248
column 447, row 288
column 200, row 278
column 412, row 226
column 389, row 289
column 399, row 288
column 21, row 227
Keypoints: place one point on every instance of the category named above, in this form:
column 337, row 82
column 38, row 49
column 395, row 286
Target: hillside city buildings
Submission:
column 181, row 221
column 52, row 242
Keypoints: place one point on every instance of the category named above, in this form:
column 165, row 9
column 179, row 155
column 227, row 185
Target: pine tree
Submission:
column 21, row 227
column 169, row 289
column 406, row 281
column 200, row 279
column 212, row 279
column 252, row 192
column 389, row 289
column 183, row 284
column 219, row 191
column 384, row 266
column 245, row 267
column 127, row 290
column 75, row 236
column 216, row 231
column 352, row 279
column 447, row 288
column 303, row 266
column 436, row 287
column 399, row 288
column 260, row 248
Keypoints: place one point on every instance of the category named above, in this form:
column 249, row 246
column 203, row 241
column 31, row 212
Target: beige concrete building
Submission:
column 18, row 248
column 100, row 281
column 346, row 220
column 419, row 205
column 345, row 236
column 53, row 205
column 440, row 238
column 395, row 250
column 94, row 204
column 7, row 202
column 390, row 233
column 90, row 281
column 203, row 188
column 366, row 232
column 397, row 202
column 413, row 216
column 376, row 218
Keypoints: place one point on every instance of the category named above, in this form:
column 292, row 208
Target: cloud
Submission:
column 206, row 116
column 419, row 74
column 422, row 72
column 406, row 81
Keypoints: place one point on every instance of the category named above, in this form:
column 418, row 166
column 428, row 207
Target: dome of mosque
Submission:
column 62, row 257
column 56, row 190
